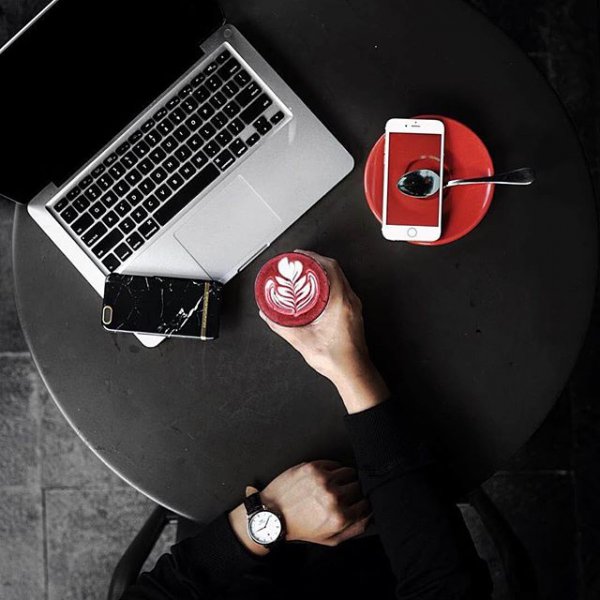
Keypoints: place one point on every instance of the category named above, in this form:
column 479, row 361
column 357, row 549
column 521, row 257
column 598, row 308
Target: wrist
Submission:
column 361, row 387
column 239, row 524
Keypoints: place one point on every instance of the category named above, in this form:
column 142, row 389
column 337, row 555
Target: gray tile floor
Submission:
column 65, row 518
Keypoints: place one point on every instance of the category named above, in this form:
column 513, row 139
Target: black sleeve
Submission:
column 203, row 566
column 421, row 529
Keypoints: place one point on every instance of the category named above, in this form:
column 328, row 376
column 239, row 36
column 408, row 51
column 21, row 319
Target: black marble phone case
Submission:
column 162, row 306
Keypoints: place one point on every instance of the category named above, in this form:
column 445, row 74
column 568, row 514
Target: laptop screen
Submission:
column 80, row 73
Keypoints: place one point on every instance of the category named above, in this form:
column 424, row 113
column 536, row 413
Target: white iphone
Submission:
column 412, row 144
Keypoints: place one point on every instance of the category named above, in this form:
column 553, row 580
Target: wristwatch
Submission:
column 265, row 527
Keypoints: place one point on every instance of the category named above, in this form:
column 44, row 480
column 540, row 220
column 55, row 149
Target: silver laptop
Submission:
column 152, row 138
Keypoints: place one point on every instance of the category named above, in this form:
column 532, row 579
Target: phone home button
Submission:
column 411, row 232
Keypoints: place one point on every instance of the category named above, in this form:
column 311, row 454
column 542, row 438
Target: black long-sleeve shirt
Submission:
column 422, row 532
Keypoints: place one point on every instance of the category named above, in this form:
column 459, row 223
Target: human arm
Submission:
column 421, row 529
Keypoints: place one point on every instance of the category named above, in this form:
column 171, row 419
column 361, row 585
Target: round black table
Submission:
column 479, row 336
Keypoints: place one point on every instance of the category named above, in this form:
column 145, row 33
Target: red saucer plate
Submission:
column 465, row 156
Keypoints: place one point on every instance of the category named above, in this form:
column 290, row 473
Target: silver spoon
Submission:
column 425, row 182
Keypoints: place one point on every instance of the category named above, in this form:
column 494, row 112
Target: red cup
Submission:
column 292, row 289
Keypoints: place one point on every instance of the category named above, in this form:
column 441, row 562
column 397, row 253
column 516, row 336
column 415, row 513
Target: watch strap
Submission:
column 253, row 503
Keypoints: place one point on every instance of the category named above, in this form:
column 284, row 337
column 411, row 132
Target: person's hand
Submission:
column 334, row 344
column 321, row 502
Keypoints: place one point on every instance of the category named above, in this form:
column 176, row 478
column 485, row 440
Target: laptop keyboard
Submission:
column 199, row 132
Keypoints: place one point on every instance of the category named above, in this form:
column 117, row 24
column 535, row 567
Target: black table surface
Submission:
column 479, row 335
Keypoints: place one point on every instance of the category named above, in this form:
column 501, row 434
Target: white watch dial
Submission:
column 264, row 527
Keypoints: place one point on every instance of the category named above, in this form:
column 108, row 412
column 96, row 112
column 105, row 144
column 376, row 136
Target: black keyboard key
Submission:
column 182, row 153
column 160, row 114
column 199, row 160
column 170, row 164
column 163, row 192
column 213, row 83
column 185, row 91
column 248, row 94
column 165, row 127
column 169, row 144
column 151, row 203
column 253, row 139
column 117, row 170
column 147, row 186
column 211, row 149
column 224, row 137
column 139, row 214
column 182, row 198
column 202, row 94
column 107, row 243
column 223, row 56
column 110, row 159
column 231, row 109
column 195, row 142
column 230, row 89
column 97, row 210
column 133, row 177
column 94, row 234
column 212, row 67
column 219, row 120
column 182, row 133
column 193, row 122
column 224, row 160
column 206, row 111
column 148, row 125
column 105, row 182
column 159, row 174
column 111, row 263
column 152, row 138
column 242, row 78
column 82, row 223
column 141, row 149
column 135, row 197
column 135, row 137
column 198, row 79
column 145, row 166
column 126, row 225
column 255, row 109
column 85, row 182
column 135, row 240
column 61, row 204
column 98, row 171
column 129, row 160
column 69, row 214
column 110, row 219
column 230, row 68
column 73, row 193
column 123, row 251
column 187, row 170
column 262, row 125
column 218, row 100
column 123, row 148
column 158, row 155
column 148, row 228
column 236, row 126
column 190, row 105
column 109, row 198
column 238, row 147
column 278, row 116
column 93, row 193
column 121, row 188
column 80, row 204
column 173, row 102
column 177, row 116
column 207, row 131
column 123, row 207
column 175, row 181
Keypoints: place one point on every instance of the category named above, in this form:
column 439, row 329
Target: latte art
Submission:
column 292, row 292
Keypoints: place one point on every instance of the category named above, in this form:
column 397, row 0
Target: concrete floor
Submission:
column 65, row 518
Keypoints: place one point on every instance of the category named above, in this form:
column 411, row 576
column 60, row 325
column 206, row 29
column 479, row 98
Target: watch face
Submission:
column 264, row 527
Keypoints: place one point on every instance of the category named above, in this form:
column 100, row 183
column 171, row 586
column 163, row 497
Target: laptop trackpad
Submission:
column 228, row 228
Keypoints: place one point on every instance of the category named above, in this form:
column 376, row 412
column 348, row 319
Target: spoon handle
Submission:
column 523, row 176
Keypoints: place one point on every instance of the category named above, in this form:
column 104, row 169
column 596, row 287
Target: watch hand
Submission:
column 266, row 523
